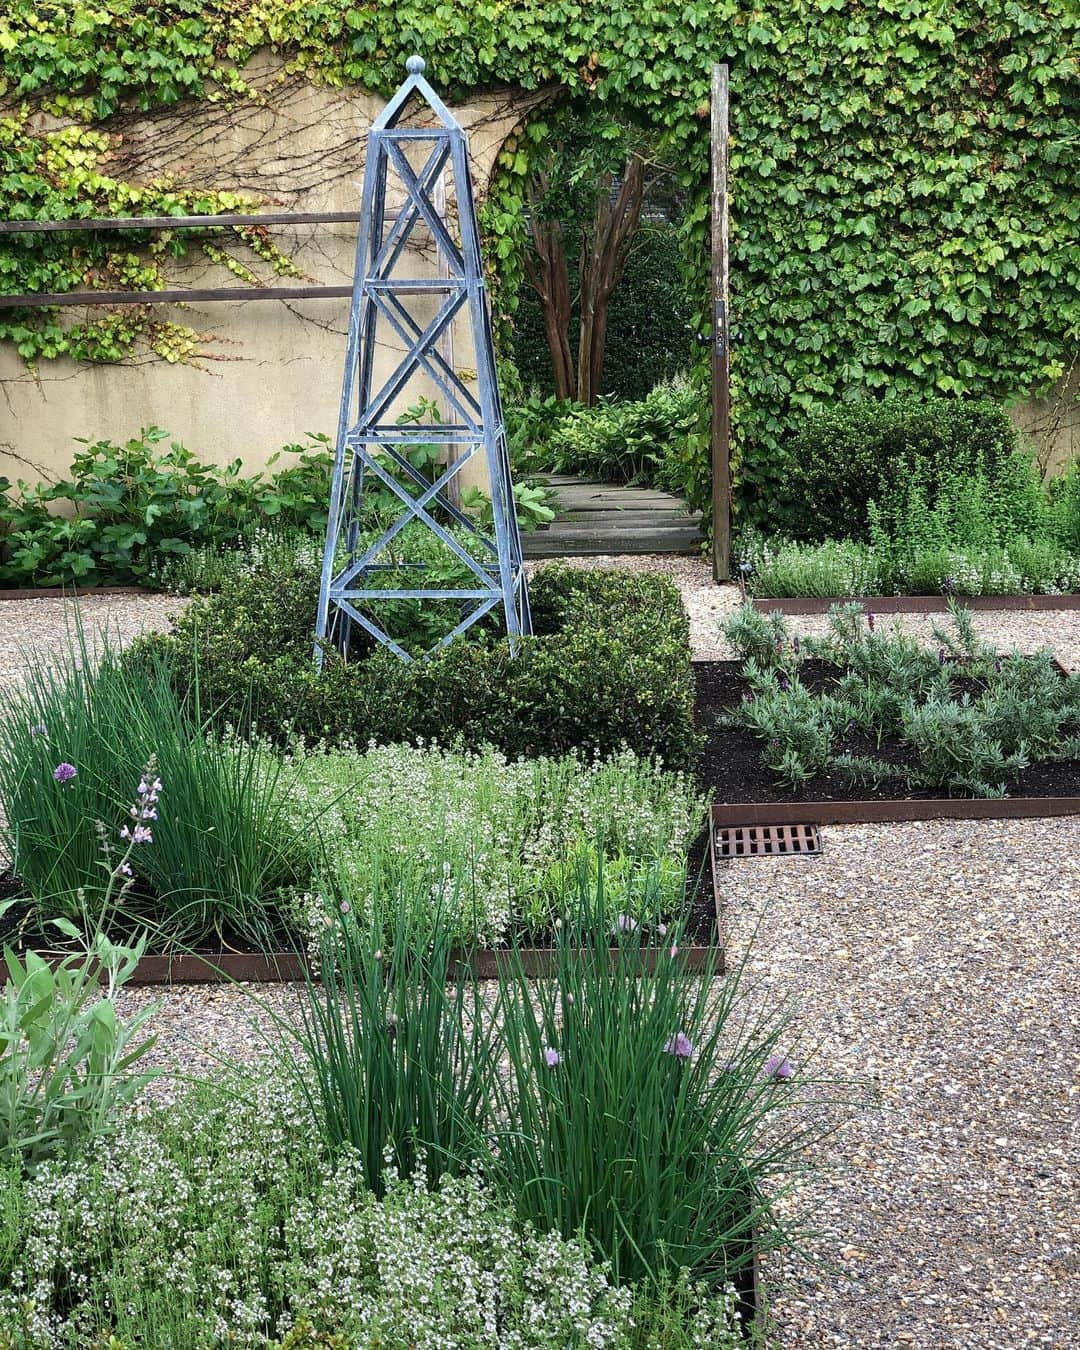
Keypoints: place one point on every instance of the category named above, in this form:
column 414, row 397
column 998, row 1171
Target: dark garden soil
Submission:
column 731, row 767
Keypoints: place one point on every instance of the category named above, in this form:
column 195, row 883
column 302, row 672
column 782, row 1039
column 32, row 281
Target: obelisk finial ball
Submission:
column 415, row 65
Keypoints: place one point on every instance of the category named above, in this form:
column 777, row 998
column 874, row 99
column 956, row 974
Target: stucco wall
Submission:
column 270, row 371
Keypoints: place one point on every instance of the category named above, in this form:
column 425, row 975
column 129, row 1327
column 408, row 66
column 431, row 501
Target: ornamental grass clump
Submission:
column 638, row 1108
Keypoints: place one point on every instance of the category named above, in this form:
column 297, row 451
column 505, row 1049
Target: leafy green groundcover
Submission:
column 609, row 667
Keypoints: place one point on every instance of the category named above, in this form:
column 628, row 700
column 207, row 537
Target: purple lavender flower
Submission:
column 948, row 585
column 779, row 1066
column 552, row 1058
column 39, row 729
column 795, row 644
column 64, row 772
column 870, row 619
column 625, row 923
column 941, row 656
column 680, row 1046
column 785, row 683
column 139, row 835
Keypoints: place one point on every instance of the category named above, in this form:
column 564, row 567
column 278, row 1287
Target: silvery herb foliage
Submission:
column 968, row 718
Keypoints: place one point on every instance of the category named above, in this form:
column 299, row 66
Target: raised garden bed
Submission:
column 913, row 604
column 700, row 940
column 733, row 770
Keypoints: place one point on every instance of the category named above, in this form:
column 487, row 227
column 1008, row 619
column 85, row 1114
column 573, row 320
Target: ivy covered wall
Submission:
column 903, row 170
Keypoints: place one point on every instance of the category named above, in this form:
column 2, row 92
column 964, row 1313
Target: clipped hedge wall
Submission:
column 837, row 461
column 609, row 666
column 649, row 327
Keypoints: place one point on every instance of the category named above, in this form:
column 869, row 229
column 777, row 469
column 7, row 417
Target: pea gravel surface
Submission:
column 932, row 966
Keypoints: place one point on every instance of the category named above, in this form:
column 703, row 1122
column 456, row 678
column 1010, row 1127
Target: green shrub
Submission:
column 127, row 508
column 640, row 442
column 837, row 462
column 609, row 667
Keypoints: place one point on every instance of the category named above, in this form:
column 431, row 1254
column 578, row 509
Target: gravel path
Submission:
column 34, row 630
column 935, row 961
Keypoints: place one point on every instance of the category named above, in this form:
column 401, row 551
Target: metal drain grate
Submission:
column 750, row 841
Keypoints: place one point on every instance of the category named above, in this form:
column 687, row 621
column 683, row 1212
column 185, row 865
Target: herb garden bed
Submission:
column 912, row 604
column 733, row 770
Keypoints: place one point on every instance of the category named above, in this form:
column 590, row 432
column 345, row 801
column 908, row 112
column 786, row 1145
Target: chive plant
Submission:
column 635, row 1100
column 74, row 736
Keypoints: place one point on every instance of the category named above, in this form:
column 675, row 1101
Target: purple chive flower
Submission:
column 674, row 951
column 552, row 1058
column 625, row 923
column 378, row 953
column 779, row 1066
column 680, row 1046
column 64, row 772
column 345, row 907
column 661, row 929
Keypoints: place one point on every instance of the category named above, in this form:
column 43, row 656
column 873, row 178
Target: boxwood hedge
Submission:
column 609, row 665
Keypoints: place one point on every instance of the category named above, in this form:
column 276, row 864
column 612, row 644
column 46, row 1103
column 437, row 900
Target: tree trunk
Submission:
column 548, row 274
column 603, row 261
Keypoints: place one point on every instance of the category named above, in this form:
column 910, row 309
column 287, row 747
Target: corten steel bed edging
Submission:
column 886, row 812
column 74, row 592
column 290, row 967
column 913, row 604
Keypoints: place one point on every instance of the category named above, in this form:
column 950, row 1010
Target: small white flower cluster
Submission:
column 228, row 1221
column 476, row 834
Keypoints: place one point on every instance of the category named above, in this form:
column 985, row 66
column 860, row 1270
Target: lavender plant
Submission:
column 969, row 718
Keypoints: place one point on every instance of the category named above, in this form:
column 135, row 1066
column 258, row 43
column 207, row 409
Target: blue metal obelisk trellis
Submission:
column 371, row 445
